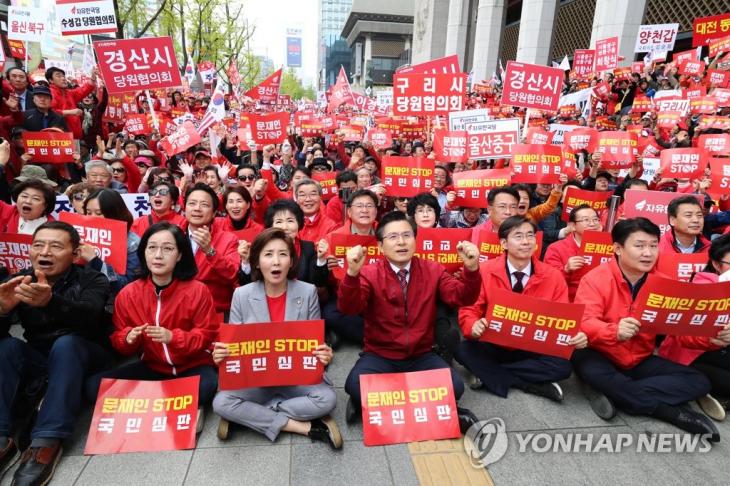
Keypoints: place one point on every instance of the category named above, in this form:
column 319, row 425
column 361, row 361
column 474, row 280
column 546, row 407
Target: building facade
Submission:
column 333, row 51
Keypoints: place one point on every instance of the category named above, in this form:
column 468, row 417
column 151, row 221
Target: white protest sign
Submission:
column 460, row 120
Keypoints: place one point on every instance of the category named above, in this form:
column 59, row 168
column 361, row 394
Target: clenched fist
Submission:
column 468, row 252
column 355, row 260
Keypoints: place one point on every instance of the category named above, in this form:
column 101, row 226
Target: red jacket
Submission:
column 141, row 224
column 317, row 229
column 544, row 283
column 219, row 271
column 607, row 298
column 335, row 210
column 376, row 294
column 10, row 218
column 668, row 240
column 68, row 99
column 185, row 307
column 557, row 256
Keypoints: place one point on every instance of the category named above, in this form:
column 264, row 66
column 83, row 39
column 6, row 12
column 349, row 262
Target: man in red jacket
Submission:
column 397, row 299
column 619, row 365
column 686, row 220
column 66, row 100
column 308, row 195
column 499, row 368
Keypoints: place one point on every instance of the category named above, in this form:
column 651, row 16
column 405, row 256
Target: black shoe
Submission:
column 8, row 456
column 37, row 466
column 331, row 338
column 326, row 430
column 550, row 390
column 352, row 412
column 600, row 403
column 690, row 421
column 466, row 419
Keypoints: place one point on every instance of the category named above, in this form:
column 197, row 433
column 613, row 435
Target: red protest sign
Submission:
column 523, row 322
column 472, row 186
column 182, row 139
column 537, row 164
column 720, row 177
column 428, row 94
column 538, row 136
column 107, row 236
column 268, row 90
column 247, row 235
column 450, row 146
column 602, row 89
column 668, row 119
column 575, row 197
column 490, row 247
column 379, row 138
column 408, row 407
column 439, row 245
column 606, row 54
column 14, row 250
column 718, row 46
column 268, row 127
column 493, row 138
column 718, row 122
column 328, row 183
column 407, row 176
column 692, row 68
column 49, row 147
column 581, row 139
column 352, row 133
column 720, row 79
column 642, row 104
column 340, row 243
column 683, row 163
column 532, row 86
column 618, row 149
column 681, row 266
column 17, row 48
column 141, row 416
column 448, row 64
column 136, row 125
column 596, row 247
column 651, row 205
column 637, row 67
column 705, row 29
column 703, row 105
column 583, row 62
column 132, row 64
column 271, row 354
column 671, row 307
column 715, row 143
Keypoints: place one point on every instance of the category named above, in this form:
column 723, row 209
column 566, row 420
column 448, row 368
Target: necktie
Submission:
column 402, row 274
column 518, row 287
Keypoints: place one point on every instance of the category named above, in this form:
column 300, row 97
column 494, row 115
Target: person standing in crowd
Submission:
column 41, row 115
column 66, row 100
column 21, row 88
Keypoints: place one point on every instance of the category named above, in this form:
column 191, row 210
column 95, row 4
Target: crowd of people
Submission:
column 187, row 270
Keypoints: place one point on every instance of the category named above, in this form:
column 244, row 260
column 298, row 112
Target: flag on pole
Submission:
column 89, row 62
column 216, row 109
column 565, row 64
column 190, row 71
column 235, row 79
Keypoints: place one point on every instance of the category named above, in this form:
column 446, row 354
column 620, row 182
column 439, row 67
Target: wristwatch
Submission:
column 210, row 252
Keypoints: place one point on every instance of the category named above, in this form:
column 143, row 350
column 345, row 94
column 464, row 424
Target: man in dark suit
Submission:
column 18, row 80
column 42, row 116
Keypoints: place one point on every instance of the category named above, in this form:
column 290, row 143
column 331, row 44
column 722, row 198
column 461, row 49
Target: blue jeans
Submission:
column 370, row 363
column 70, row 360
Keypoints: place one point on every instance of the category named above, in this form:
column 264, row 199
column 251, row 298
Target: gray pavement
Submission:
column 249, row 458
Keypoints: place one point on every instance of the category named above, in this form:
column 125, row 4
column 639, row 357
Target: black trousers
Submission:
column 716, row 366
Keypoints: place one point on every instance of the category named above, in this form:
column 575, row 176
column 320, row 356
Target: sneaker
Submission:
column 223, row 429
column 600, row 403
column 200, row 421
column 37, row 465
column 8, row 456
column 475, row 383
column 550, row 390
column 353, row 412
column 326, row 430
column 466, row 419
column 711, row 407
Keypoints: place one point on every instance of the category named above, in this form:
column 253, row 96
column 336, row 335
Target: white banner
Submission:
column 27, row 23
column 461, row 120
column 137, row 203
column 85, row 16
column 560, row 130
column 656, row 38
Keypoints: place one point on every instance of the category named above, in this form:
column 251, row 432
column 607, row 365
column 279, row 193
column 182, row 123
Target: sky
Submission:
column 272, row 18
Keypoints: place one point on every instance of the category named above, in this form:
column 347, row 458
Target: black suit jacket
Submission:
column 33, row 120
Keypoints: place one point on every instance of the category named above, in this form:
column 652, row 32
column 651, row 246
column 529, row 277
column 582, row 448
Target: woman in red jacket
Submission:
column 34, row 203
column 167, row 317
column 237, row 201
column 163, row 196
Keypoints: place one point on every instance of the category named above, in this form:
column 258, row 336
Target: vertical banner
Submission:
column 606, row 54
column 144, row 416
column 294, row 47
column 532, row 86
column 407, row 176
column 408, row 407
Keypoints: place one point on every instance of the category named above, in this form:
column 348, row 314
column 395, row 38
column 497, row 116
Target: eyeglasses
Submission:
column 505, row 207
column 79, row 196
column 363, row 206
column 166, row 250
column 247, row 178
column 320, row 168
column 309, row 195
column 119, row 170
column 162, row 191
column 393, row 237
column 426, row 210
column 588, row 220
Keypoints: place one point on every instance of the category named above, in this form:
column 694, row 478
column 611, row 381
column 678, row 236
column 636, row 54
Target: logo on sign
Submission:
column 486, row 442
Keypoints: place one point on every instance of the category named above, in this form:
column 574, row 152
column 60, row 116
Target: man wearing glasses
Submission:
column 308, row 195
column 564, row 255
column 498, row 368
column 397, row 298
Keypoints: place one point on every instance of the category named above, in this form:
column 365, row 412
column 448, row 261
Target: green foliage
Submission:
column 292, row 85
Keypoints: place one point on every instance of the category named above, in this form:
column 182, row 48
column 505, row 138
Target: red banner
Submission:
column 537, row 164
column 715, row 143
column 718, row 122
column 450, row 146
column 439, row 245
column 720, row 79
column 448, row 64
column 428, row 94
column 683, row 163
column 490, row 247
column 136, row 125
column 182, row 139
column 707, row 28
column 328, row 183
column 380, row 139
column 583, row 62
column 17, row 48
column 718, row 46
column 143, row 416
column 132, row 64
column 596, row 248
column 532, row 86
column 523, row 322
column 666, row 306
column 341, row 91
column 269, row 127
column 407, row 176
column 681, row 266
column 575, row 197
column 268, row 90
column 14, row 252
column 49, row 147
column 581, row 139
column 618, row 149
column 472, row 186
column 340, row 243
column 271, row 354
column 651, row 205
column 642, row 104
column 108, row 236
column 408, row 407
column 668, row 119
column 703, row 105
column 606, row 54
column 538, row 136
column 692, row 68
column 720, row 176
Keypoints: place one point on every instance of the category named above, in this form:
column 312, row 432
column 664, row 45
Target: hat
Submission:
column 110, row 157
column 204, row 153
column 320, row 161
column 647, row 116
column 42, row 90
column 34, row 172
column 147, row 153
column 143, row 160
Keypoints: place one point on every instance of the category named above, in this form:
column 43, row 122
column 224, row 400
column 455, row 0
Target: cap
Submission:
column 110, row 157
column 42, row 90
column 320, row 161
column 34, row 172
column 143, row 160
column 204, row 153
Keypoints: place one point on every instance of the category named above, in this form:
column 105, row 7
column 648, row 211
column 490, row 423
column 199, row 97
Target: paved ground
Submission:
column 248, row 458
